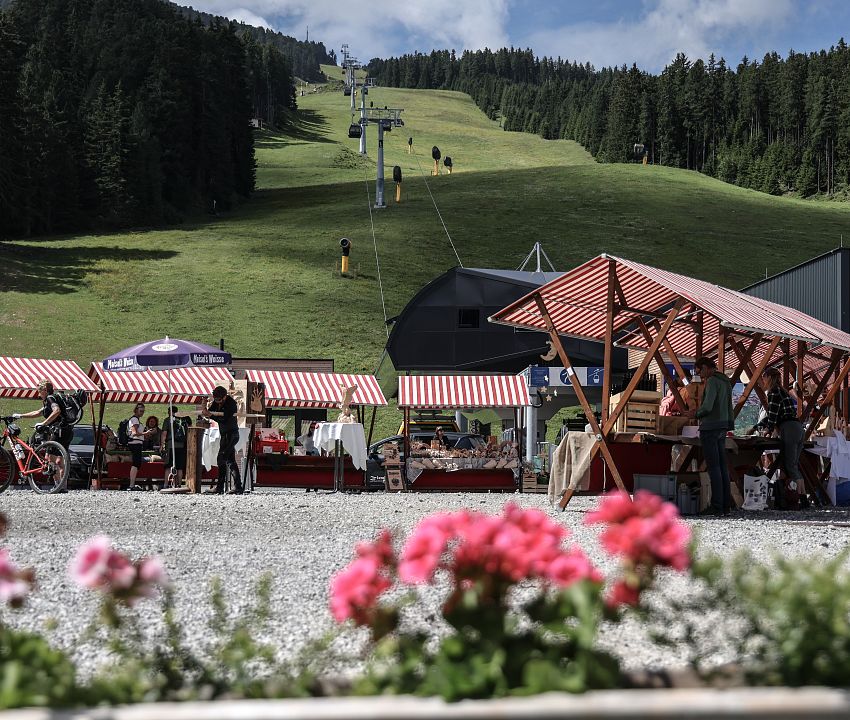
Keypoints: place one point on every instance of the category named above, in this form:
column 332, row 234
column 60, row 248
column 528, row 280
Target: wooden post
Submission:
column 601, row 440
column 371, row 427
column 194, row 465
column 699, row 333
column 97, row 457
column 786, row 363
column 609, row 339
column 721, row 349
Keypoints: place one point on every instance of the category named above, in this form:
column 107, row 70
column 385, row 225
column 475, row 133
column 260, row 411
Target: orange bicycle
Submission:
column 46, row 466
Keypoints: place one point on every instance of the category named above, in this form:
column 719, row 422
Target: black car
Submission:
column 81, row 451
column 375, row 473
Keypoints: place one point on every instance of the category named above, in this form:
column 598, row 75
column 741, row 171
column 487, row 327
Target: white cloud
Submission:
column 382, row 29
column 654, row 36
column 247, row 17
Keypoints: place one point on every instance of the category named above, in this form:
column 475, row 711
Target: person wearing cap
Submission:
column 306, row 440
column 223, row 409
column 441, row 439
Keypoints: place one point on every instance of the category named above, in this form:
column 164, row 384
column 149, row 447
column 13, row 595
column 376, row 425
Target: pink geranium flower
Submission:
column 355, row 590
column 98, row 566
column 646, row 531
column 622, row 593
column 15, row 583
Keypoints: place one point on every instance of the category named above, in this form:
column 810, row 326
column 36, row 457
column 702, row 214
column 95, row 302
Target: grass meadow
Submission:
column 263, row 276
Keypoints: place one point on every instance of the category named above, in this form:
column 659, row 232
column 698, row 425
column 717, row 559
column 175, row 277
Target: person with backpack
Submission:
column 136, row 435
column 53, row 410
column 174, row 440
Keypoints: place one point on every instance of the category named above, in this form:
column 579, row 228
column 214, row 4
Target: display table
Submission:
column 351, row 437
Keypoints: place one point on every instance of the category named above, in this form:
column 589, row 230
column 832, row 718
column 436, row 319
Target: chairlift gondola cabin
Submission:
column 346, row 90
column 355, row 131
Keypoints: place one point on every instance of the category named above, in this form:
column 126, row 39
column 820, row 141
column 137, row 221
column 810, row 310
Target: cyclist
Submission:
column 54, row 424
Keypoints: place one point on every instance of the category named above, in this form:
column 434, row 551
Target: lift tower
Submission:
column 386, row 119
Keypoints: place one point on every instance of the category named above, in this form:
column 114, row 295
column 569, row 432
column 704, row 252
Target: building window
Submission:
column 468, row 317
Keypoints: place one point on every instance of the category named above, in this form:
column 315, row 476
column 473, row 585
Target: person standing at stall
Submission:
column 223, row 409
column 716, row 418
column 441, row 440
column 782, row 418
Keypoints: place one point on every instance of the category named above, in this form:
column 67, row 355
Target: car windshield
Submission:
column 83, row 435
column 470, row 442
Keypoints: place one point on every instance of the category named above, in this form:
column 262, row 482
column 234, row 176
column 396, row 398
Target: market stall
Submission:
column 670, row 319
column 19, row 379
column 189, row 385
column 285, row 464
column 496, row 466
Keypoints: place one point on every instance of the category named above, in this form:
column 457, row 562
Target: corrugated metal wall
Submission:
column 820, row 288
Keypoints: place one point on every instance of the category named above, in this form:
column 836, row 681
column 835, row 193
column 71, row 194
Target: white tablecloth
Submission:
column 352, row 436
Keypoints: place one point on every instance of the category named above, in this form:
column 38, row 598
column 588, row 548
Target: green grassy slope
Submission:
column 263, row 276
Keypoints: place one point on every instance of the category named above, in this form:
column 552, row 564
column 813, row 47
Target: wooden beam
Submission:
column 650, row 354
column 665, row 371
column 609, row 338
column 827, row 401
column 819, row 388
column 601, row 441
column 801, row 356
column 742, row 364
column 721, row 348
column 754, row 377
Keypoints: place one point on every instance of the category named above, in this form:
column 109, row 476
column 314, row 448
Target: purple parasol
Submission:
column 166, row 353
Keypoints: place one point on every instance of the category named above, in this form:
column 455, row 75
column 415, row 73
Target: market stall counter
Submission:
column 288, row 466
column 434, row 467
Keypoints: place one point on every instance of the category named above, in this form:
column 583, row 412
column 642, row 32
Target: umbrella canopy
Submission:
column 166, row 353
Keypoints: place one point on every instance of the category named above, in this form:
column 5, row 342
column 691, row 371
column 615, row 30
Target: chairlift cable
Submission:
column 375, row 243
column 428, row 187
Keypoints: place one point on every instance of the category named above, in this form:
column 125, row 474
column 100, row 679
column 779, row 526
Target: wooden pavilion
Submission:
column 675, row 318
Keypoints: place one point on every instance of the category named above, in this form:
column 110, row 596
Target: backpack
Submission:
column 123, row 434
column 72, row 406
column 179, row 431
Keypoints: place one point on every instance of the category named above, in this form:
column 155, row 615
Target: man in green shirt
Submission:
column 716, row 418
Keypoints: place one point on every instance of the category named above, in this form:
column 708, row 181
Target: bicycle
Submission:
column 37, row 464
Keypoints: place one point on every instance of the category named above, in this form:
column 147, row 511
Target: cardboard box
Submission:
column 672, row 425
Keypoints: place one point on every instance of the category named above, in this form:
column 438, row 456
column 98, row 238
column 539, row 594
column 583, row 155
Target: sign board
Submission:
column 587, row 376
column 538, row 377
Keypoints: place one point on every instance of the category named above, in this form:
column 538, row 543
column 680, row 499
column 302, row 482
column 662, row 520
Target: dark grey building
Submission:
column 819, row 287
column 444, row 327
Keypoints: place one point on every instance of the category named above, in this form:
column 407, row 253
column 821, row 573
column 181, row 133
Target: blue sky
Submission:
column 603, row 32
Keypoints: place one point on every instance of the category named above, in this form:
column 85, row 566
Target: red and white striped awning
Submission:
column 577, row 303
column 315, row 390
column 462, row 391
column 188, row 384
column 19, row 377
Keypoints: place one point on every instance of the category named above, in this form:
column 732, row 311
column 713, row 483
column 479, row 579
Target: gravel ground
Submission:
column 302, row 538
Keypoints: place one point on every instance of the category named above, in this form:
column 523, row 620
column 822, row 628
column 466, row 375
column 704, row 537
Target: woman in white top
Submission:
column 306, row 440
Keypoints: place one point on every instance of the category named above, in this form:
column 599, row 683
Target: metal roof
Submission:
column 577, row 304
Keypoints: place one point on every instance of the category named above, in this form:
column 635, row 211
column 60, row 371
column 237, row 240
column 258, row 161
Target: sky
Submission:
column 602, row 32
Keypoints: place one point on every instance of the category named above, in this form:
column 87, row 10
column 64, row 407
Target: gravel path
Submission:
column 302, row 538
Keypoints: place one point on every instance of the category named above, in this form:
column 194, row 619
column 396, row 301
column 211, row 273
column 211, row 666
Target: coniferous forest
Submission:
column 781, row 125
column 124, row 112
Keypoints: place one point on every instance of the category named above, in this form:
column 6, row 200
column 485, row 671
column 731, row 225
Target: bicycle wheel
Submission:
column 8, row 469
column 53, row 475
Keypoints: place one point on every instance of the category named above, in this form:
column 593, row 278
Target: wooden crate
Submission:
column 530, row 484
column 640, row 414
column 638, row 417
